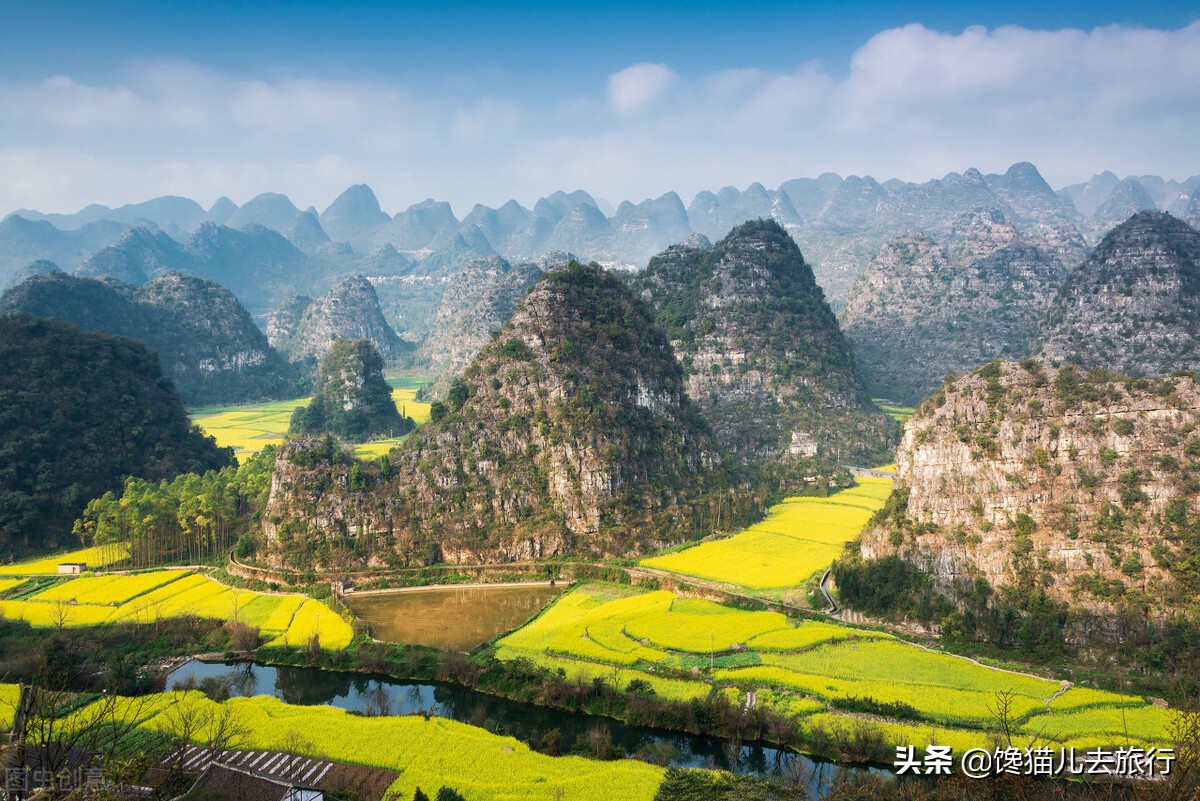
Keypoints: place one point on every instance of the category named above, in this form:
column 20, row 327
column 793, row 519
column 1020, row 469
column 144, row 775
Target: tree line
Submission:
column 190, row 519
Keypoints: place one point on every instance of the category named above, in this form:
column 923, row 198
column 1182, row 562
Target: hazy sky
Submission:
column 119, row 102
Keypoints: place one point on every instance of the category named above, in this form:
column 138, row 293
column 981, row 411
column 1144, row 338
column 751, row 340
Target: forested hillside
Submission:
column 78, row 412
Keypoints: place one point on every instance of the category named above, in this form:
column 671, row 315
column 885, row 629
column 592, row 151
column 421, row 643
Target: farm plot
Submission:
column 901, row 414
column 97, row 557
column 800, row 537
column 431, row 752
column 686, row 648
column 249, row 429
column 109, row 590
column 9, row 584
column 158, row 594
column 315, row 619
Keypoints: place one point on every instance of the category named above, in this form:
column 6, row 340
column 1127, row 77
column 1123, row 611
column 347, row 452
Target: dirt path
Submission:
column 429, row 587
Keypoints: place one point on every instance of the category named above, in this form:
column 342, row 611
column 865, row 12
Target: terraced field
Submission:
column 686, row 648
column 800, row 537
column 146, row 597
column 249, row 429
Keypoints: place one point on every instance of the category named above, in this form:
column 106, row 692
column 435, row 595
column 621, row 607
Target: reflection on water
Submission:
column 454, row 618
column 528, row 723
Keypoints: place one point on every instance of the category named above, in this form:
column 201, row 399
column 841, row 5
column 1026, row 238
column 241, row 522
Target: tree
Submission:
column 188, row 721
column 50, row 731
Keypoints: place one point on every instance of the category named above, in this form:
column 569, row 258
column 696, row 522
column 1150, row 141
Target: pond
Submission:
column 455, row 618
column 528, row 723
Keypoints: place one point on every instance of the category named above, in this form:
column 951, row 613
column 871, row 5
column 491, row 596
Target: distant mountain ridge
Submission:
column 839, row 222
column 268, row 249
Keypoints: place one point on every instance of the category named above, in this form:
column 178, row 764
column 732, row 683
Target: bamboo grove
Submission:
column 191, row 519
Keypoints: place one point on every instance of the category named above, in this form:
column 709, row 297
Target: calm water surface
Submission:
column 526, row 722
column 455, row 618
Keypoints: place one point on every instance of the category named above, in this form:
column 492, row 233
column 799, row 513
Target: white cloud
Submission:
column 635, row 89
column 486, row 120
column 915, row 103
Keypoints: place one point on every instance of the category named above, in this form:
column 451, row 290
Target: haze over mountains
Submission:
column 929, row 278
column 268, row 249
column 206, row 342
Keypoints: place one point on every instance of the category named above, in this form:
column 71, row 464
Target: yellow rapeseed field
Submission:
column 248, row 429
column 314, row 617
column 430, row 752
column 154, row 595
column 112, row 590
column 94, row 558
column 8, row 584
column 808, row 668
column 801, row 536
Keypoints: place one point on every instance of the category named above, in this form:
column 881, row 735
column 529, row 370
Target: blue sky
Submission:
column 471, row 102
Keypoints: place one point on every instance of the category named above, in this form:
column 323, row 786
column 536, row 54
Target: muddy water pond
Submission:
column 456, row 618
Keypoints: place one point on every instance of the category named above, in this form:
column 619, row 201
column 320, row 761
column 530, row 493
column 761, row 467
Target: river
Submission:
column 528, row 723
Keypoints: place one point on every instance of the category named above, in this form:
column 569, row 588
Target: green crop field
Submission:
column 800, row 537
column 901, row 414
column 685, row 648
column 146, row 597
column 249, row 429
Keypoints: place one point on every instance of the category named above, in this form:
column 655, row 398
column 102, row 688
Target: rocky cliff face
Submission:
column 1083, row 484
column 305, row 329
column 1134, row 304
column 570, row 432
column 207, row 343
column 764, row 358
column 478, row 300
column 213, row 350
column 921, row 311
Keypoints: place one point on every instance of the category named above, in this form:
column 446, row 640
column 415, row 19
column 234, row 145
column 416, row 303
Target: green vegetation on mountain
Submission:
column 1039, row 506
column 569, row 433
column 352, row 399
column 193, row 518
column 208, row 345
column 79, row 412
column 763, row 356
